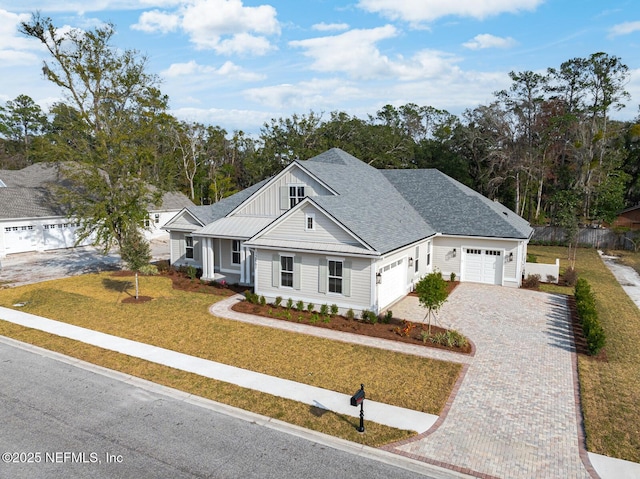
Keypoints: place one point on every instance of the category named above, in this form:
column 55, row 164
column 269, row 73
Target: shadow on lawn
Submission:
column 118, row 285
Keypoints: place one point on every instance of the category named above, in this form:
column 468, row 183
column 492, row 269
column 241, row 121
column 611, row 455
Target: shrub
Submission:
column 287, row 315
column 314, row 318
column 388, row 316
column 406, row 328
column 191, row 272
column 289, row 303
column 570, row 276
column 263, row 300
column 251, row 297
column 551, row 278
column 324, row 310
column 278, row 301
column 310, row 307
column 149, row 270
column 350, row 314
column 334, row 309
column 532, row 281
column 300, row 305
column 452, row 277
column 588, row 315
column 369, row 316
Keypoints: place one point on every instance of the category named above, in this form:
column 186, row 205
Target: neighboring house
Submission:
column 334, row 230
column 629, row 218
column 31, row 219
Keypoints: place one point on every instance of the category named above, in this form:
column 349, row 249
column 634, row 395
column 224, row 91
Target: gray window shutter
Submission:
column 346, row 278
column 297, row 260
column 284, row 197
column 275, row 270
column 322, row 275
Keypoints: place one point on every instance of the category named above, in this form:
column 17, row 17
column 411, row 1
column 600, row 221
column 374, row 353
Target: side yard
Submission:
column 180, row 321
column 610, row 390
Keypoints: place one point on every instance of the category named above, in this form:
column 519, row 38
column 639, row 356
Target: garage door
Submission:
column 19, row 239
column 482, row 265
column 393, row 283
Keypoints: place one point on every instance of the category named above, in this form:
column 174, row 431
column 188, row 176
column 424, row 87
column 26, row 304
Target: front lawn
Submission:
column 180, row 321
column 610, row 391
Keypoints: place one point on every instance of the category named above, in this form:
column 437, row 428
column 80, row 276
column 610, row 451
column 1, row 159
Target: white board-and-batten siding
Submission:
column 307, row 286
column 325, row 230
column 268, row 201
column 178, row 249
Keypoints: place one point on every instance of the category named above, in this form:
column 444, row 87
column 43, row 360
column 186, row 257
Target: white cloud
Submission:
column 315, row 94
column 356, row 54
column 353, row 52
column 157, row 21
column 15, row 48
column 330, row 27
column 243, row 28
column 624, row 28
column 415, row 11
column 486, row 40
column 232, row 119
column 227, row 70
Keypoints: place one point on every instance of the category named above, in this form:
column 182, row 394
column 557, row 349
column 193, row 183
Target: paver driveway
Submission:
column 515, row 414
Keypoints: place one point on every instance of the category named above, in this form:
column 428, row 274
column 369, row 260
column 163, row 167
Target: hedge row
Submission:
column 588, row 315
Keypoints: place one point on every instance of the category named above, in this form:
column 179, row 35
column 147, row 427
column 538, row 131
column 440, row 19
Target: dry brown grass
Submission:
column 272, row 406
column 180, row 321
column 610, row 391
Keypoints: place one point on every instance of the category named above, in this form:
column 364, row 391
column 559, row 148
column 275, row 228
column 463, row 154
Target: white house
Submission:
column 334, row 230
column 31, row 219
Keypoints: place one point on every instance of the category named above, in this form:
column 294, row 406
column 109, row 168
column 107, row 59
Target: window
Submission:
column 335, row 276
column 417, row 259
column 309, row 223
column 296, row 195
column 156, row 218
column 188, row 245
column 286, row 271
column 235, row 252
column 428, row 253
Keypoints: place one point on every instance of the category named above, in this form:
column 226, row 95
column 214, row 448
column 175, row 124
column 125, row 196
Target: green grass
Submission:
column 610, row 390
column 180, row 321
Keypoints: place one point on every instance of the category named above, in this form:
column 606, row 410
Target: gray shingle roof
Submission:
column 453, row 208
column 210, row 213
column 33, row 176
column 28, row 193
column 28, row 203
column 367, row 204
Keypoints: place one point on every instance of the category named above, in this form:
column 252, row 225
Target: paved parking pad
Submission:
column 515, row 414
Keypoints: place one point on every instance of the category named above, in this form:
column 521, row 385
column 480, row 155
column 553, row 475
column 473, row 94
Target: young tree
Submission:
column 136, row 253
column 104, row 126
column 432, row 294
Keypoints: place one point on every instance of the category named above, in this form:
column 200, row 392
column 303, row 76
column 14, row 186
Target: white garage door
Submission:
column 19, row 239
column 393, row 284
column 482, row 265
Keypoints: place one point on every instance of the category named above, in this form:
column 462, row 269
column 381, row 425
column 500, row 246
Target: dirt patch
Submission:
column 395, row 329
column 138, row 300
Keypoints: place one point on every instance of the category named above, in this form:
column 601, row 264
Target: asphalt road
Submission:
column 60, row 420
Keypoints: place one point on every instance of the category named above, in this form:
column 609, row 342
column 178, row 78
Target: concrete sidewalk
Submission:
column 322, row 398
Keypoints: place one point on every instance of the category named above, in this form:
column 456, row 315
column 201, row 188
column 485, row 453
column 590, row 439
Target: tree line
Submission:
column 547, row 147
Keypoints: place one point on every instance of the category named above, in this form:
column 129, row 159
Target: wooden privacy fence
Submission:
column 595, row 237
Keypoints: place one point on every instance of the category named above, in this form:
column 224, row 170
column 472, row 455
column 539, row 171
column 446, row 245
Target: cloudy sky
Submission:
column 239, row 63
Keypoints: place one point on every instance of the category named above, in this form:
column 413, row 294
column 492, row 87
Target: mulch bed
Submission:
column 340, row 323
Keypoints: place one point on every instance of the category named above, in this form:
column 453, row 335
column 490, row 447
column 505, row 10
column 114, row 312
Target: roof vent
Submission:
column 505, row 213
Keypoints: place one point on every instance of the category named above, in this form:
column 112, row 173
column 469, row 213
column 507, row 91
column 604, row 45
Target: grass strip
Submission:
column 286, row 410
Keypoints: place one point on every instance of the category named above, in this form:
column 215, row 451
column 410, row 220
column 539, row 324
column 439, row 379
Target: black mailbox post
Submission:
column 358, row 400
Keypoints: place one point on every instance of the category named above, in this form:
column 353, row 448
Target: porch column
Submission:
column 243, row 265
column 207, row 258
